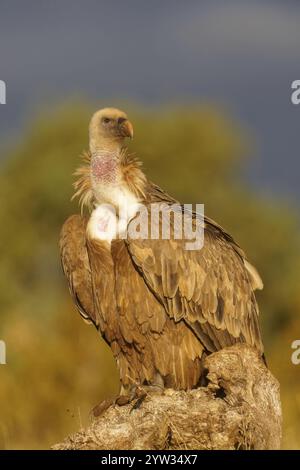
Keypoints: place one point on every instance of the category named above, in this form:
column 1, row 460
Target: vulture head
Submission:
column 108, row 127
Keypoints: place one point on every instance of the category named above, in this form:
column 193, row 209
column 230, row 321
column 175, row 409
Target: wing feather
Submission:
column 76, row 266
column 211, row 289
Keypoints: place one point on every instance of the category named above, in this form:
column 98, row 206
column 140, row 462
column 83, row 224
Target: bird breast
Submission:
column 110, row 189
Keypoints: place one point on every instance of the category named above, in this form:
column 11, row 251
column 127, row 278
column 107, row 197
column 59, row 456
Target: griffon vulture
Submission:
column 160, row 307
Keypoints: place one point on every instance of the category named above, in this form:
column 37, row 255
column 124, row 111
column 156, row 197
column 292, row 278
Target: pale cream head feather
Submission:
column 107, row 130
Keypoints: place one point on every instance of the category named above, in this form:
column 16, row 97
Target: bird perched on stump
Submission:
column 160, row 307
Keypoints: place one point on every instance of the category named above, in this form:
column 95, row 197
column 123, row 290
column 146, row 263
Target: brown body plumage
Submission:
column 161, row 308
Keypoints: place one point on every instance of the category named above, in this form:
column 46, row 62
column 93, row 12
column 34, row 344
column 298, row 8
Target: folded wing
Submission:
column 210, row 289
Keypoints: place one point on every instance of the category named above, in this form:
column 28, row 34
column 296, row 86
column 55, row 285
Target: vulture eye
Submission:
column 106, row 120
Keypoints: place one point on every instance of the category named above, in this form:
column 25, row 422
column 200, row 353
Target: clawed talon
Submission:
column 120, row 400
column 137, row 394
column 138, row 403
column 99, row 409
column 142, row 392
column 123, row 400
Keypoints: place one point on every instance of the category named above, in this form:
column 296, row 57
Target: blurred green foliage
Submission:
column 57, row 367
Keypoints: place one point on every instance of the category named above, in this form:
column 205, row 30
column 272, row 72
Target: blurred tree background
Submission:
column 57, row 367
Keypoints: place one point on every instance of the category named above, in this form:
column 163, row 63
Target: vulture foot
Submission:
column 99, row 409
column 137, row 394
column 120, row 400
column 142, row 392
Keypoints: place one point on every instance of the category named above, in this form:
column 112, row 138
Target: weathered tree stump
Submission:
column 238, row 409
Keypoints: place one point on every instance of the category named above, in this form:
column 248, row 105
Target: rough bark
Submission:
column 239, row 408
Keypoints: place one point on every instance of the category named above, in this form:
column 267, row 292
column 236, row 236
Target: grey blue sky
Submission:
column 240, row 54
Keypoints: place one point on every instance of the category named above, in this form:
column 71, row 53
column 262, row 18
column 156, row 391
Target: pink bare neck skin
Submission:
column 105, row 166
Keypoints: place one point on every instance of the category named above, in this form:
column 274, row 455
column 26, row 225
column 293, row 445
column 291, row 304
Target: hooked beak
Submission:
column 126, row 129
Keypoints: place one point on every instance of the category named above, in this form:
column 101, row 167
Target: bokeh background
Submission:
column 207, row 86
